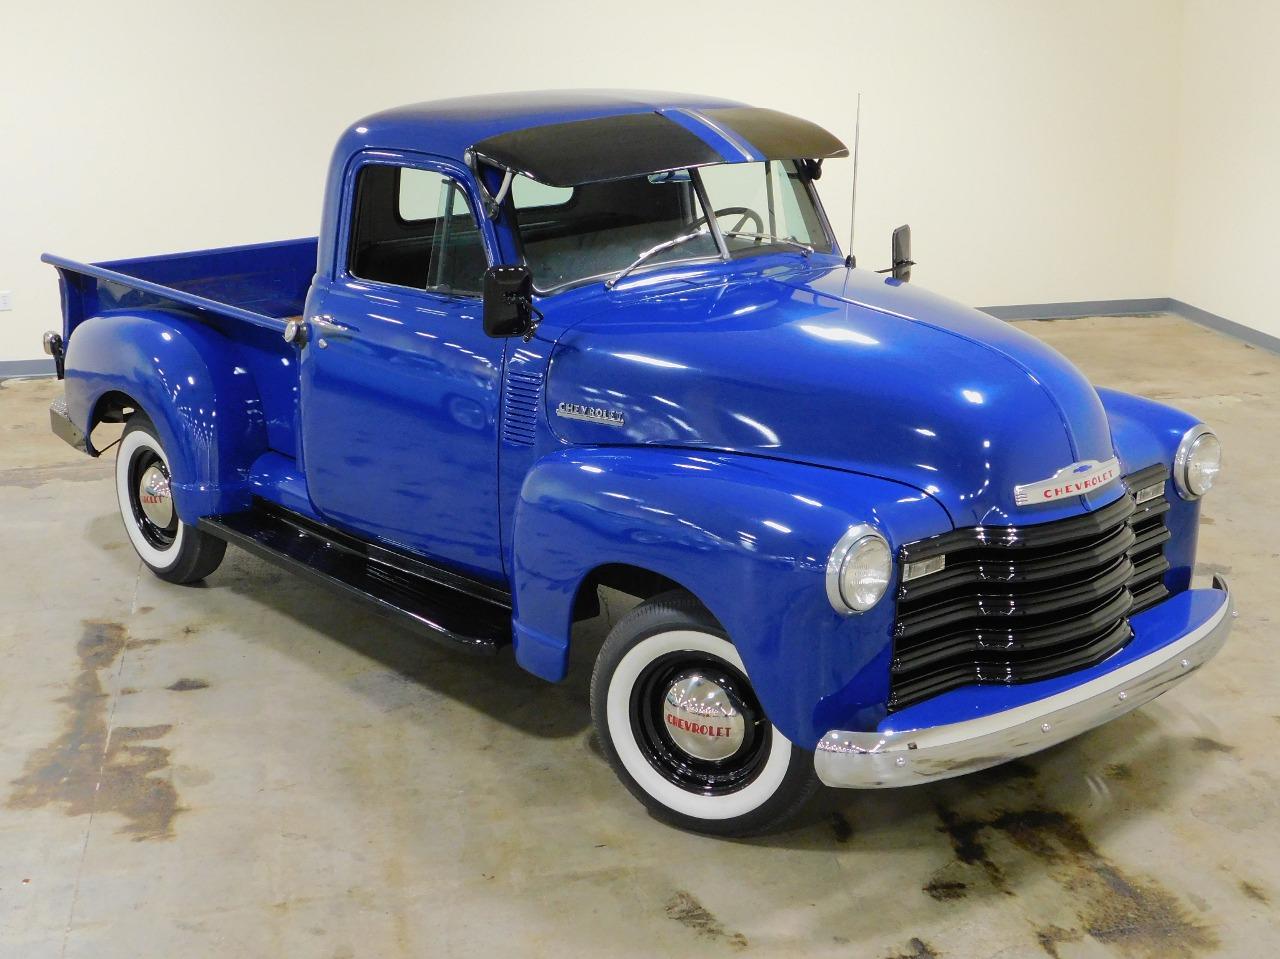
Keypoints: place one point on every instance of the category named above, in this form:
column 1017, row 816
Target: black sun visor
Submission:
column 633, row 144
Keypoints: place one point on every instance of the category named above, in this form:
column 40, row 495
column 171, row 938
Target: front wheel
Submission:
column 681, row 726
column 173, row 550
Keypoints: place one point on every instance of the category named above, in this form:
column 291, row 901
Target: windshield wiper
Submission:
column 665, row 245
column 804, row 248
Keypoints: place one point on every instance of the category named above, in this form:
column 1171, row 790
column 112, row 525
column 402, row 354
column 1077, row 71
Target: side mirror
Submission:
column 508, row 301
column 902, row 262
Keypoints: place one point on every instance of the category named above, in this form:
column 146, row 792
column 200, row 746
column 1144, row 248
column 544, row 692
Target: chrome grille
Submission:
column 1017, row 604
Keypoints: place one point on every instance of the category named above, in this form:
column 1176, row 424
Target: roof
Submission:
column 572, row 136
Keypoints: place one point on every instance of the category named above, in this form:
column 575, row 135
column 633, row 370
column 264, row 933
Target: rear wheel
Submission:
column 683, row 729
column 173, row 550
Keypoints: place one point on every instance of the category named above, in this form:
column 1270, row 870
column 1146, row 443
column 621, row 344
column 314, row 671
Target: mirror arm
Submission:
column 535, row 319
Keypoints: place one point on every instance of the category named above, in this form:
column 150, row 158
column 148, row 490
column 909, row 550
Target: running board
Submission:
column 436, row 603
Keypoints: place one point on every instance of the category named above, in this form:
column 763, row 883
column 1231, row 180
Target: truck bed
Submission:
column 246, row 293
column 263, row 284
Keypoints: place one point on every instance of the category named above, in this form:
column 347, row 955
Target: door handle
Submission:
column 325, row 328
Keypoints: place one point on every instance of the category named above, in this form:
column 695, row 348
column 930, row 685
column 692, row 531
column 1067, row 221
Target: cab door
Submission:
column 399, row 383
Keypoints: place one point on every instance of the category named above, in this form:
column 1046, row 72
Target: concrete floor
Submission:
column 253, row 768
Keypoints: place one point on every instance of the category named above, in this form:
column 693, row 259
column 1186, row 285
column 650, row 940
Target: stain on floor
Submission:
column 1206, row 744
column 685, row 909
column 93, row 768
column 966, row 841
column 916, row 949
column 944, row 890
column 1135, row 915
column 1254, row 892
column 1050, row 937
column 841, row 828
column 186, row 685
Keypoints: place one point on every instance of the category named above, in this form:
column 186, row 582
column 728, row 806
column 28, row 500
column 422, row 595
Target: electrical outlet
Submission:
column 6, row 299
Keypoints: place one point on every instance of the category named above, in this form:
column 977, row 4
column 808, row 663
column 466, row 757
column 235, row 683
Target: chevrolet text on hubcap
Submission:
column 689, row 732
column 153, row 495
column 150, row 498
column 145, row 492
column 698, row 723
column 702, row 720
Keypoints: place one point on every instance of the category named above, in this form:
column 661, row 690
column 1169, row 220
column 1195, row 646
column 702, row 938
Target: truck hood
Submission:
column 841, row 369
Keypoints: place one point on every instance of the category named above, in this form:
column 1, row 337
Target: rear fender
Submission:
column 186, row 378
column 748, row 536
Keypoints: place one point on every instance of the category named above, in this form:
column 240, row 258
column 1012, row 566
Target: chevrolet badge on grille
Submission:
column 1073, row 480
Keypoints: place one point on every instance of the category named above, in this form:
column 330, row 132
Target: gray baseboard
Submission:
column 1159, row 304
column 12, row 368
column 1230, row 327
column 1078, row 308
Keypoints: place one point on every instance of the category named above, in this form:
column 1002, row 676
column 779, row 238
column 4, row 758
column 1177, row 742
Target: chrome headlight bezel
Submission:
column 855, row 540
column 1183, row 459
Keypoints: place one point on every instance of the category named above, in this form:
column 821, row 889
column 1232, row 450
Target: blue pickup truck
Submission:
column 555, row 342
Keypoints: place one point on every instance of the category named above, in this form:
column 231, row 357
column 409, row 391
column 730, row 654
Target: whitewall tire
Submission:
column 680, row 724
column 172, row 550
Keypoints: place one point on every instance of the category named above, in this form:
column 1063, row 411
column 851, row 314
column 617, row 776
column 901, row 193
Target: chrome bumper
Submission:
column 904, row 758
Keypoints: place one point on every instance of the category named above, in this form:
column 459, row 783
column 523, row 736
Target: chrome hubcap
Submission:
column 154, row 496
column 701, row 719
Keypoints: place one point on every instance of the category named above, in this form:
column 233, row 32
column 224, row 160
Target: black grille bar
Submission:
column 1017, row 604
column 1147, row 555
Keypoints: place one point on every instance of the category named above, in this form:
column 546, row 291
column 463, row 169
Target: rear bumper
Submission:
column 894, row 756
column 64, row 428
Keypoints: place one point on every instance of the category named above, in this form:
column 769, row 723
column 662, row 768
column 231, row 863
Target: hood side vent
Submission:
column 520, row 407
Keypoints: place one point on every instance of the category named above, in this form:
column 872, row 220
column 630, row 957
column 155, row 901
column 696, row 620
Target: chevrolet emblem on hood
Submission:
column 1073, row 480
column 591, row 414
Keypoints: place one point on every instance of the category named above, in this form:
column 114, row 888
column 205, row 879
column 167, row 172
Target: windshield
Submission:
column 597, row 230
column 763, row 200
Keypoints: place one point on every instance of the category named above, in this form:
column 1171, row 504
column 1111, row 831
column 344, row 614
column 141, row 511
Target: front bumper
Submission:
column 894, row 756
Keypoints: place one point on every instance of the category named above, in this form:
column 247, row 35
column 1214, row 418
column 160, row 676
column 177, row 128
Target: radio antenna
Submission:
column 850, row 260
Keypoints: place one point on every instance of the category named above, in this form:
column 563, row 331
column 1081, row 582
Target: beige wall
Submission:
column 1030, row 145
column 1227, row 202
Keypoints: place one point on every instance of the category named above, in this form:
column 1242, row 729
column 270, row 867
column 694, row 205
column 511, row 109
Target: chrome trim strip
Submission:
column 883, row 760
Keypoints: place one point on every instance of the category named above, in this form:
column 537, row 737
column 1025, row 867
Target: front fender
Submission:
column 186, row 377
column 750, row 537
column 1143, row 433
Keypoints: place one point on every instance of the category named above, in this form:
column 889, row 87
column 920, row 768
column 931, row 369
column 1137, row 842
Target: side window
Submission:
column 414, row 228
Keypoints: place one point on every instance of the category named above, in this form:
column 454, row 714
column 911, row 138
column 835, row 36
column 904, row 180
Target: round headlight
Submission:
column 859, row 569
column 1197, row 463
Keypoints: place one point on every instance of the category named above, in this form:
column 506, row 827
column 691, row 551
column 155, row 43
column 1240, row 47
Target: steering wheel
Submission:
column 746, row 213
